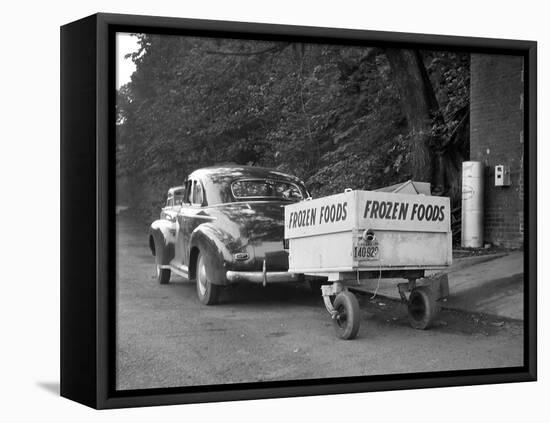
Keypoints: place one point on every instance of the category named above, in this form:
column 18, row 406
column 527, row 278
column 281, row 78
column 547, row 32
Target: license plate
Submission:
column 365, row 251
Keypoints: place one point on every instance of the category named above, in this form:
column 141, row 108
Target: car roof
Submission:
column 235, row 171
column 174, row 189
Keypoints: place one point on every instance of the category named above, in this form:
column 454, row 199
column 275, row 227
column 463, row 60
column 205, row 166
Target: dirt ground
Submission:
column 166, row 338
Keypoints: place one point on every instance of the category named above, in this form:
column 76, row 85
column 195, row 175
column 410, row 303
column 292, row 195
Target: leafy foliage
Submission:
column 326, row 113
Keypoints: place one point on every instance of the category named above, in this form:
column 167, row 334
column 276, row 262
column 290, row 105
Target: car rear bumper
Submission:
column 262, row 277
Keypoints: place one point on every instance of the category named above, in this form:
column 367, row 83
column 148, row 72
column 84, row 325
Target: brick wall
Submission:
column 496, row 137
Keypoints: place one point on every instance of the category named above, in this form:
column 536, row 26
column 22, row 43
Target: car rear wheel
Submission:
column 207, row 292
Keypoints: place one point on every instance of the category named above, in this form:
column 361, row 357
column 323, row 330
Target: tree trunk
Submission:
column 419, row 106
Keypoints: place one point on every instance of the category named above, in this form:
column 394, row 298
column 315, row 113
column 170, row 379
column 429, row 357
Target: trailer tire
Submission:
column 163, row 275
column 346, row 322
column 422, row 308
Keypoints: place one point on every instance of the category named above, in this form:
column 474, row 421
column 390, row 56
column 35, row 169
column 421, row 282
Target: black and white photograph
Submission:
column 275, row 212
column 297, row 211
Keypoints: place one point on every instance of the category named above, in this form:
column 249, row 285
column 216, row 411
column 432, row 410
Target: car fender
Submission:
column 162, row 240
column 209, row 240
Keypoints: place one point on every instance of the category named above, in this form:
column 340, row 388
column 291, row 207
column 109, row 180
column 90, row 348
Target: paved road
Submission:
column 166, row 338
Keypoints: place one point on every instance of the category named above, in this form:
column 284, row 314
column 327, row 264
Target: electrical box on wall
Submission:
column 502, row 176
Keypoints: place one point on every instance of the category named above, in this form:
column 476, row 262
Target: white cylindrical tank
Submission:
column 472, row 204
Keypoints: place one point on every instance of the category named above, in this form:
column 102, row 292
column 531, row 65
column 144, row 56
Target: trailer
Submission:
column 398, row 232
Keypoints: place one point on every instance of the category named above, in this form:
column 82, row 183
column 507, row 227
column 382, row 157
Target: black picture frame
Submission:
column 87, row 231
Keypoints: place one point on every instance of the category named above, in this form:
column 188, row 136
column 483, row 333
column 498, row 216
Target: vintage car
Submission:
column 228, row 228
column 174, row 201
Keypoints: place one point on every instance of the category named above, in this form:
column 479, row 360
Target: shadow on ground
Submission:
column 51, row 387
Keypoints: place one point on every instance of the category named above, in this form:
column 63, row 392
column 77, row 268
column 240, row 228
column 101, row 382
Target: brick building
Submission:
column 496, row 138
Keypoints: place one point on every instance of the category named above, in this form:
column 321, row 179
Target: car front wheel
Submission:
column 207, row 292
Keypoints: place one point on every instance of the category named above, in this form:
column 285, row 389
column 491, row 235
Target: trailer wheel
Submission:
column 422, row 307
column 346, row 322
column 163, row 275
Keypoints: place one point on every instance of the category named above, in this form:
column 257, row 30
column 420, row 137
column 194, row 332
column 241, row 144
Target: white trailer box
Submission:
column 369, row 231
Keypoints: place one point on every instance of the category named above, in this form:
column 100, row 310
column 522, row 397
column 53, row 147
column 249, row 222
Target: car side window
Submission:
column 179, row 197
column 187, row 196
column 197, row 193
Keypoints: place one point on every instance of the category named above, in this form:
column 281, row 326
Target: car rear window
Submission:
column 266, row 189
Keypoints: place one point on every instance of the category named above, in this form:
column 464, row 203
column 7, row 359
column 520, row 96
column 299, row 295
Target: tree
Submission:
column 419, row 105
column 425, row 119
column 335, row 116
